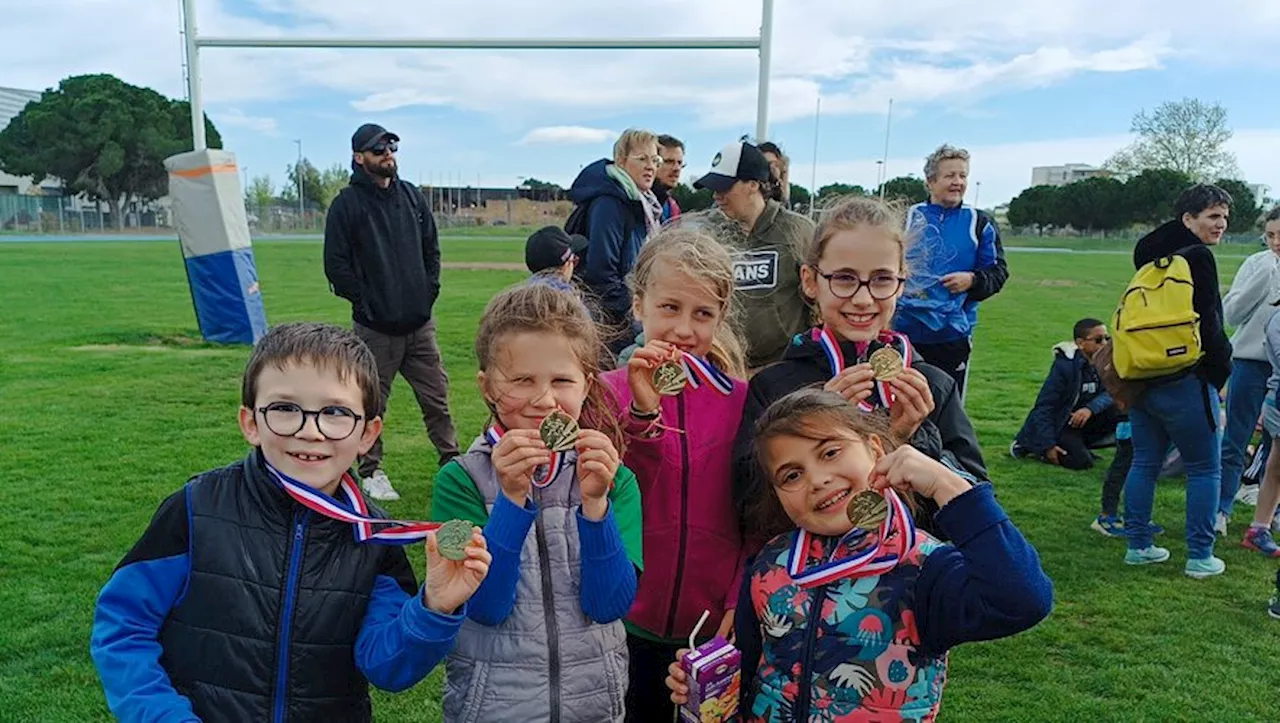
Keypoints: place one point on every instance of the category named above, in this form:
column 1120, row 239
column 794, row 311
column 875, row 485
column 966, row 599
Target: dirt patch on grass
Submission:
column 197, row 351
column 485, row 266
column 185, row 344
column 1059, row 282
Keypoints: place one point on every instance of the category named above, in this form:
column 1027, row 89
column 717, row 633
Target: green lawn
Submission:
column 106, row 411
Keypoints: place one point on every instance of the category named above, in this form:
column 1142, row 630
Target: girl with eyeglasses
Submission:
column 854, row 275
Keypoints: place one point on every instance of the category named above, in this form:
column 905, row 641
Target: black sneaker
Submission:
column 1274, row 608
column 1017, row 451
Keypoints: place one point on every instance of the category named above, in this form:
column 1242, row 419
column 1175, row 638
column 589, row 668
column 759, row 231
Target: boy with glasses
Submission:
column 259, row 590
column 1073, row 412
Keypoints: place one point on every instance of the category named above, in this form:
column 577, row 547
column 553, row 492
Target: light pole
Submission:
column 880, row 177
column 297, row 172
column 813, row 179
column 977, row 193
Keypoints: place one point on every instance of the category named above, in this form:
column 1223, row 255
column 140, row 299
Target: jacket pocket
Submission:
column 465, row 685
column 615, row 665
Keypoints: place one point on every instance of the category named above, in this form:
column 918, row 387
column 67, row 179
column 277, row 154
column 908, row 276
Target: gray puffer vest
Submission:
column 548, row 661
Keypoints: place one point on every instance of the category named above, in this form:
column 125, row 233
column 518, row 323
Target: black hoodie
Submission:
column 1174, row 238
column 945, row 434
column 382, row 253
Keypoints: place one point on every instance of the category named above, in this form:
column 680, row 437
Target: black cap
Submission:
column 368, row 134
column 735, row 162
column 550, row 247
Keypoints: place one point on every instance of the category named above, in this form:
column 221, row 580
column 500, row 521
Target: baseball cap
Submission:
column 368, row 134
column 735, row 162
column 550, row 247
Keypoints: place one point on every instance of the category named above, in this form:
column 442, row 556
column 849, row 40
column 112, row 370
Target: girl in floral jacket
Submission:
column 847, row 614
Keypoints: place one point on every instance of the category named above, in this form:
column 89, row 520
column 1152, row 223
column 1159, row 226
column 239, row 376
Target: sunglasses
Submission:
column 382, row 148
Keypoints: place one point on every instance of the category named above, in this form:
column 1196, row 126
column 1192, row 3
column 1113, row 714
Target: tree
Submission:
column 312, row 184
column 332, row 180
column 260, row 193
column 101, row 137
column 838, row 190
column 800, row 196
column 534, row 184
column 1037, row 206
column 1096, row 203
column 691, row 200
column 1152, row 193
column 1244, row 206
column 1188, row 136
column 905, row 188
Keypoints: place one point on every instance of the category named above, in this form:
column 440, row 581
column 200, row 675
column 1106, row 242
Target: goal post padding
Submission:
column 208, row 210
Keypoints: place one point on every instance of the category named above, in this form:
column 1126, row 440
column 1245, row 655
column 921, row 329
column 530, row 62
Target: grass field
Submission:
column 108, row 406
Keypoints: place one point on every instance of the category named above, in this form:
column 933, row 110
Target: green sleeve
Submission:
column 625, row 501
column 456, row 497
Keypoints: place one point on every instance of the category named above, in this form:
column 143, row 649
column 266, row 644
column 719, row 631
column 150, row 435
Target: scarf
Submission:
column 652, row 206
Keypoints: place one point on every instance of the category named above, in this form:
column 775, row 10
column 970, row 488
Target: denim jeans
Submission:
column 1185, row 412
column 1245, row 391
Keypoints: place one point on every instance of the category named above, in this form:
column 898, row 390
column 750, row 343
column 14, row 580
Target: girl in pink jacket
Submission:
column 680, row 397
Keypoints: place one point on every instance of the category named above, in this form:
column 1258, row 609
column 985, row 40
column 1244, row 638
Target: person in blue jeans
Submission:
column 1247, row 306
column 1183, row 409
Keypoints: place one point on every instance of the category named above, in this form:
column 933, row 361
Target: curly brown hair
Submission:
column 541, row 308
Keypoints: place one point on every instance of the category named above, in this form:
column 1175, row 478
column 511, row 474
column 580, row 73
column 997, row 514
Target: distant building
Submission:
column 1062, row 175
column 12, row 101
column 1260, row 191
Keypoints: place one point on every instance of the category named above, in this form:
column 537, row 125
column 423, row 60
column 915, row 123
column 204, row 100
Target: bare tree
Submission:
column 1188, row 136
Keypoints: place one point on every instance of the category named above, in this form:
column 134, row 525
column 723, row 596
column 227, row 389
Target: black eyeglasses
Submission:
column 381, row 148
column 844, row 285
column 287, row 419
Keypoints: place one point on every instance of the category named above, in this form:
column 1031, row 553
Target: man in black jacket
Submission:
column 1183, row 408
column 382, row 253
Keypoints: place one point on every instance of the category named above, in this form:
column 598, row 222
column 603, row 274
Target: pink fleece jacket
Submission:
column 693, row 549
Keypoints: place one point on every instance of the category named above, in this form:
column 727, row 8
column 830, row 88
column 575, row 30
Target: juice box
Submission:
column 715, row 680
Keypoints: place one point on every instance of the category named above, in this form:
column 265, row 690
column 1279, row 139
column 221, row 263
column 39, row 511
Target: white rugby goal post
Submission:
column 194, row 42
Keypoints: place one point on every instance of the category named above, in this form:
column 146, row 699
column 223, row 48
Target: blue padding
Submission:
column 224, row 286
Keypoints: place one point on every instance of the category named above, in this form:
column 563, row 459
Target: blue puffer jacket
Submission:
column 1058, row 398
column 948, row 240
column 616, row 230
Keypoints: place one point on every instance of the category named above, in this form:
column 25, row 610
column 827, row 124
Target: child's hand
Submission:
column 451, row 583
column 597, row 466
column 640, row 372
column 909, row 470
column 514, row 461
column 855, row 383
column 912, row 403
column 677, row 681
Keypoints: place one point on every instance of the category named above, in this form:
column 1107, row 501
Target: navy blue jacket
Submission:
column 1058, row 398
column 239, row 604
column 948, row 240
column 616, row 230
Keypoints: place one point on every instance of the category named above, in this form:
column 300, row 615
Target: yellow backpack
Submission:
column 1156, row 329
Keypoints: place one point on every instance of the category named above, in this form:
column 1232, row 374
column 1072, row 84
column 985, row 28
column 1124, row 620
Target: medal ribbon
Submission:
column 700, row 371
column 392, row 532
column 493, row 435
column 896, row 537
column 835, row 358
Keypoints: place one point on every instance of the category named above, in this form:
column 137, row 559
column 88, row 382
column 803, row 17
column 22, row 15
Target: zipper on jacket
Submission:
column 814, row 618
column 299, row 529
column 684, row 517
column 549, row 616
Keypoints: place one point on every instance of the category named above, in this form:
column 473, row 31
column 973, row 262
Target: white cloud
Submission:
column 566, row 136
column 237, row 118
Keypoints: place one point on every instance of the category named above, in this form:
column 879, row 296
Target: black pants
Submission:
column 1078, row 442
column 951, row 357
column 1113, row 483
column 648, row 700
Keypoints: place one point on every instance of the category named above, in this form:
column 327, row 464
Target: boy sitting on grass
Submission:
column 242, row 602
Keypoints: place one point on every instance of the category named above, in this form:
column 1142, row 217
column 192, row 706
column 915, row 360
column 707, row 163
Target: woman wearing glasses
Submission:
column 770, row 244
column 616, row 209
column 854, row 275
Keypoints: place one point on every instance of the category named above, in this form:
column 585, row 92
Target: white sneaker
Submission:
column 379, row 487
column 1219, row 524
column 1248, row 495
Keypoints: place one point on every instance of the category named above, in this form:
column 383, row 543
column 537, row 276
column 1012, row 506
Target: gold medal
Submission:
column 867, row 510
column 669, row 379
column 886, row 362
column 558, row 431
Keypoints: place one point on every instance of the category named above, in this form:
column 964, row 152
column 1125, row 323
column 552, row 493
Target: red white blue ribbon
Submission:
column 545, row 474
column 835, row 358
column 355, row 511
column 896, row 537
column 699, row 371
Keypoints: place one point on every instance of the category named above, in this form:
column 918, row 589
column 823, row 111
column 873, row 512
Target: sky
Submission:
column 1018, row 84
